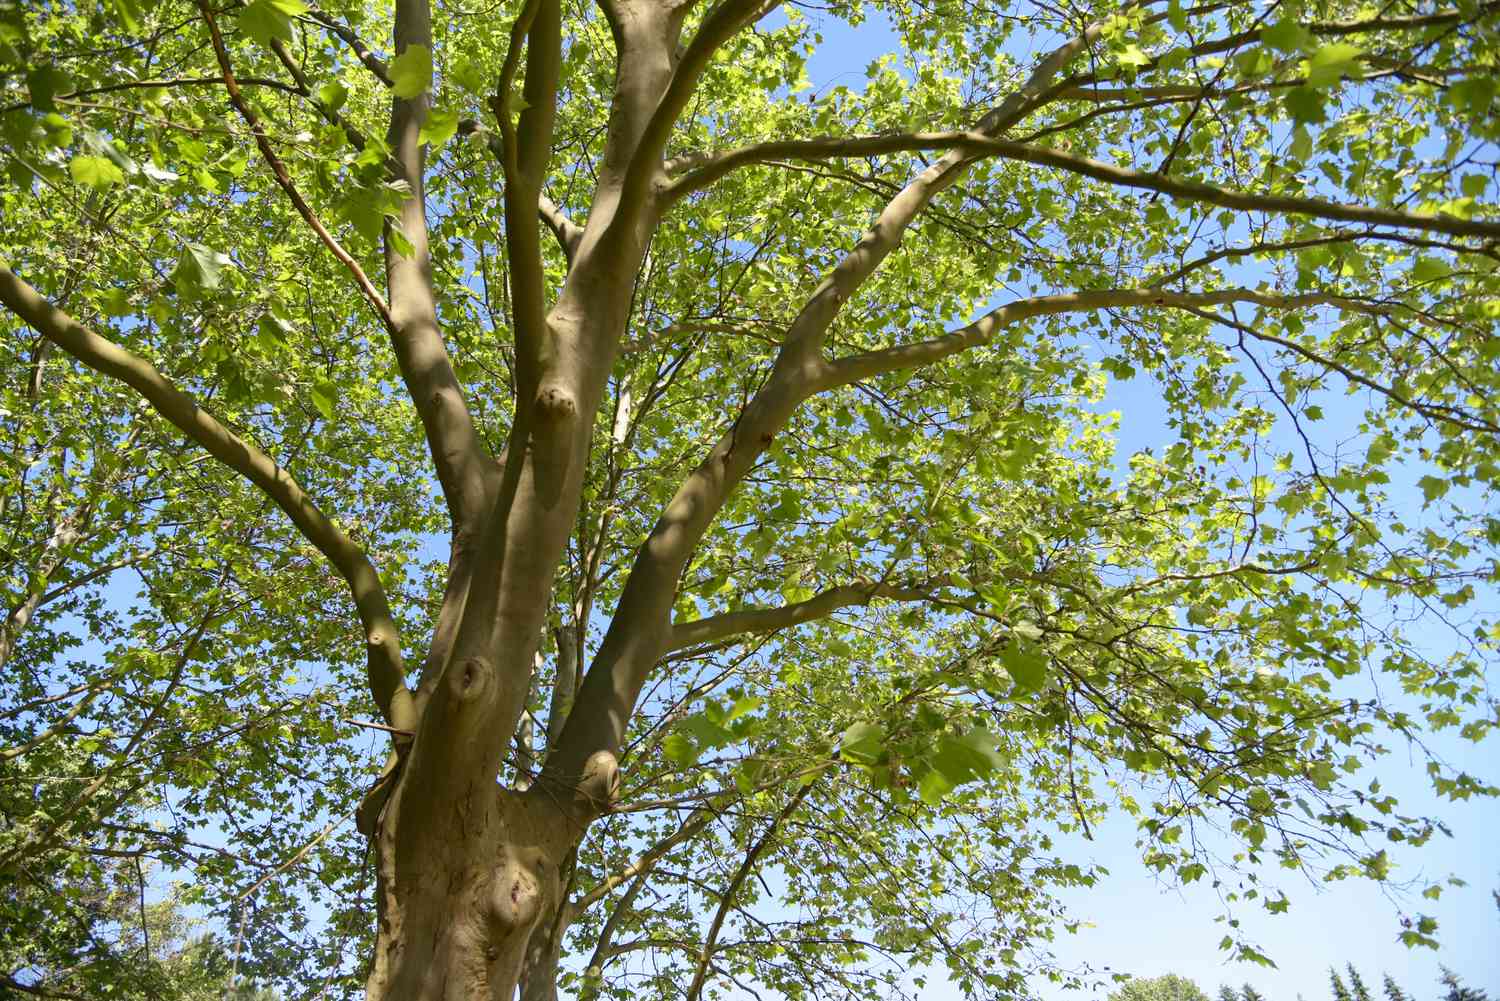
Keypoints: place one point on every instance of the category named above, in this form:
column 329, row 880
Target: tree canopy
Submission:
column 1167, row 987
column 542, row 493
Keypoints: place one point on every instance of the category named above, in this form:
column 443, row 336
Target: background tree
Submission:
column 1456, row 990
column 1167, row 987
column 129, row 948
column 719, row 476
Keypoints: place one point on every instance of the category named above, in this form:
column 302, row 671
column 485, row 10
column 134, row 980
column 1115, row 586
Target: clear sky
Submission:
column 1137, row 925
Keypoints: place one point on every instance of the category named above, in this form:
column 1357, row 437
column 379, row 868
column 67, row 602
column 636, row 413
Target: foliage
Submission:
column 1457, row 990
column 843, row 529
column 1354, row 987
column 122, row 946
column 1167, row 987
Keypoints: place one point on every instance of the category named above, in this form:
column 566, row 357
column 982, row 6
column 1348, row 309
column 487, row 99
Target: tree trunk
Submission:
column 539, row 979
column 457, row 910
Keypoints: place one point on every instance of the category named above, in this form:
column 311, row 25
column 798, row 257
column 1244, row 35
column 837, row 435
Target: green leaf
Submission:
column 467, row 74
column 324, row 396
column 1026, row 663
column 1304, row 105
column 100, row 145
column 1132, row 56
column 129, row 11
column 679, row 749
column 1433, row 488
column 933, row 786
column 863, row 743
column 1026, row 629
column 1301, row 146
column 199, row 269
column 264, row 21
column 964, row 759
column 705, row 731
column 332, row 95
column 116, row 302
column 271, row 332
column 741, row 707
column 411, row 71
column 439, row 127
column 1330, row 62
column 1429, row 269
column 1287, row 36
column 1176, row 16
column 43, row 83
column 95, row 171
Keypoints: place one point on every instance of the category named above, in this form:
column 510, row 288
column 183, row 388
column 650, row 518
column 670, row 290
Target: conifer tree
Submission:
column 1457, row 990
column 1340, row 991
column 1357, row 985
column 1393, row 991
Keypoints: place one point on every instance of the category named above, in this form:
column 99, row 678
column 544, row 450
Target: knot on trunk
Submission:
column 552, row 440
column 468, row 678
column 599, row 785
column 554, row 403
column 516, row 897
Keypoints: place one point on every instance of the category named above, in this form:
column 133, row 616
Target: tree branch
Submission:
column 278, row 169
column 641, row 624
column 526, row 147
column 700, row 974
column 765, row 620
column 464, row 467
column 356, row 44
column 853, row 368
column 568, row 232
column 718, row 26
column 647, row 860
column 705, row 169
column 384, row 666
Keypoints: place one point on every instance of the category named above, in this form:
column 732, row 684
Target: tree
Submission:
column 1167, row 987
column 1357, row 987
column 1339, row 990
column 1457, row 990
column 780, row 600
column 131, row 949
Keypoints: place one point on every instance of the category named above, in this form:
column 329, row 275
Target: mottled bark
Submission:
column 456, row 918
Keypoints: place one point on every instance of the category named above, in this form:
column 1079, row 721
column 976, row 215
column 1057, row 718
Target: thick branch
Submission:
column 464, row 467
column 386, row 675
column 639, row 631
column 705, row 169
column 526, row 147
column 719, row 25
column 765, row 620
column 863, row 366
